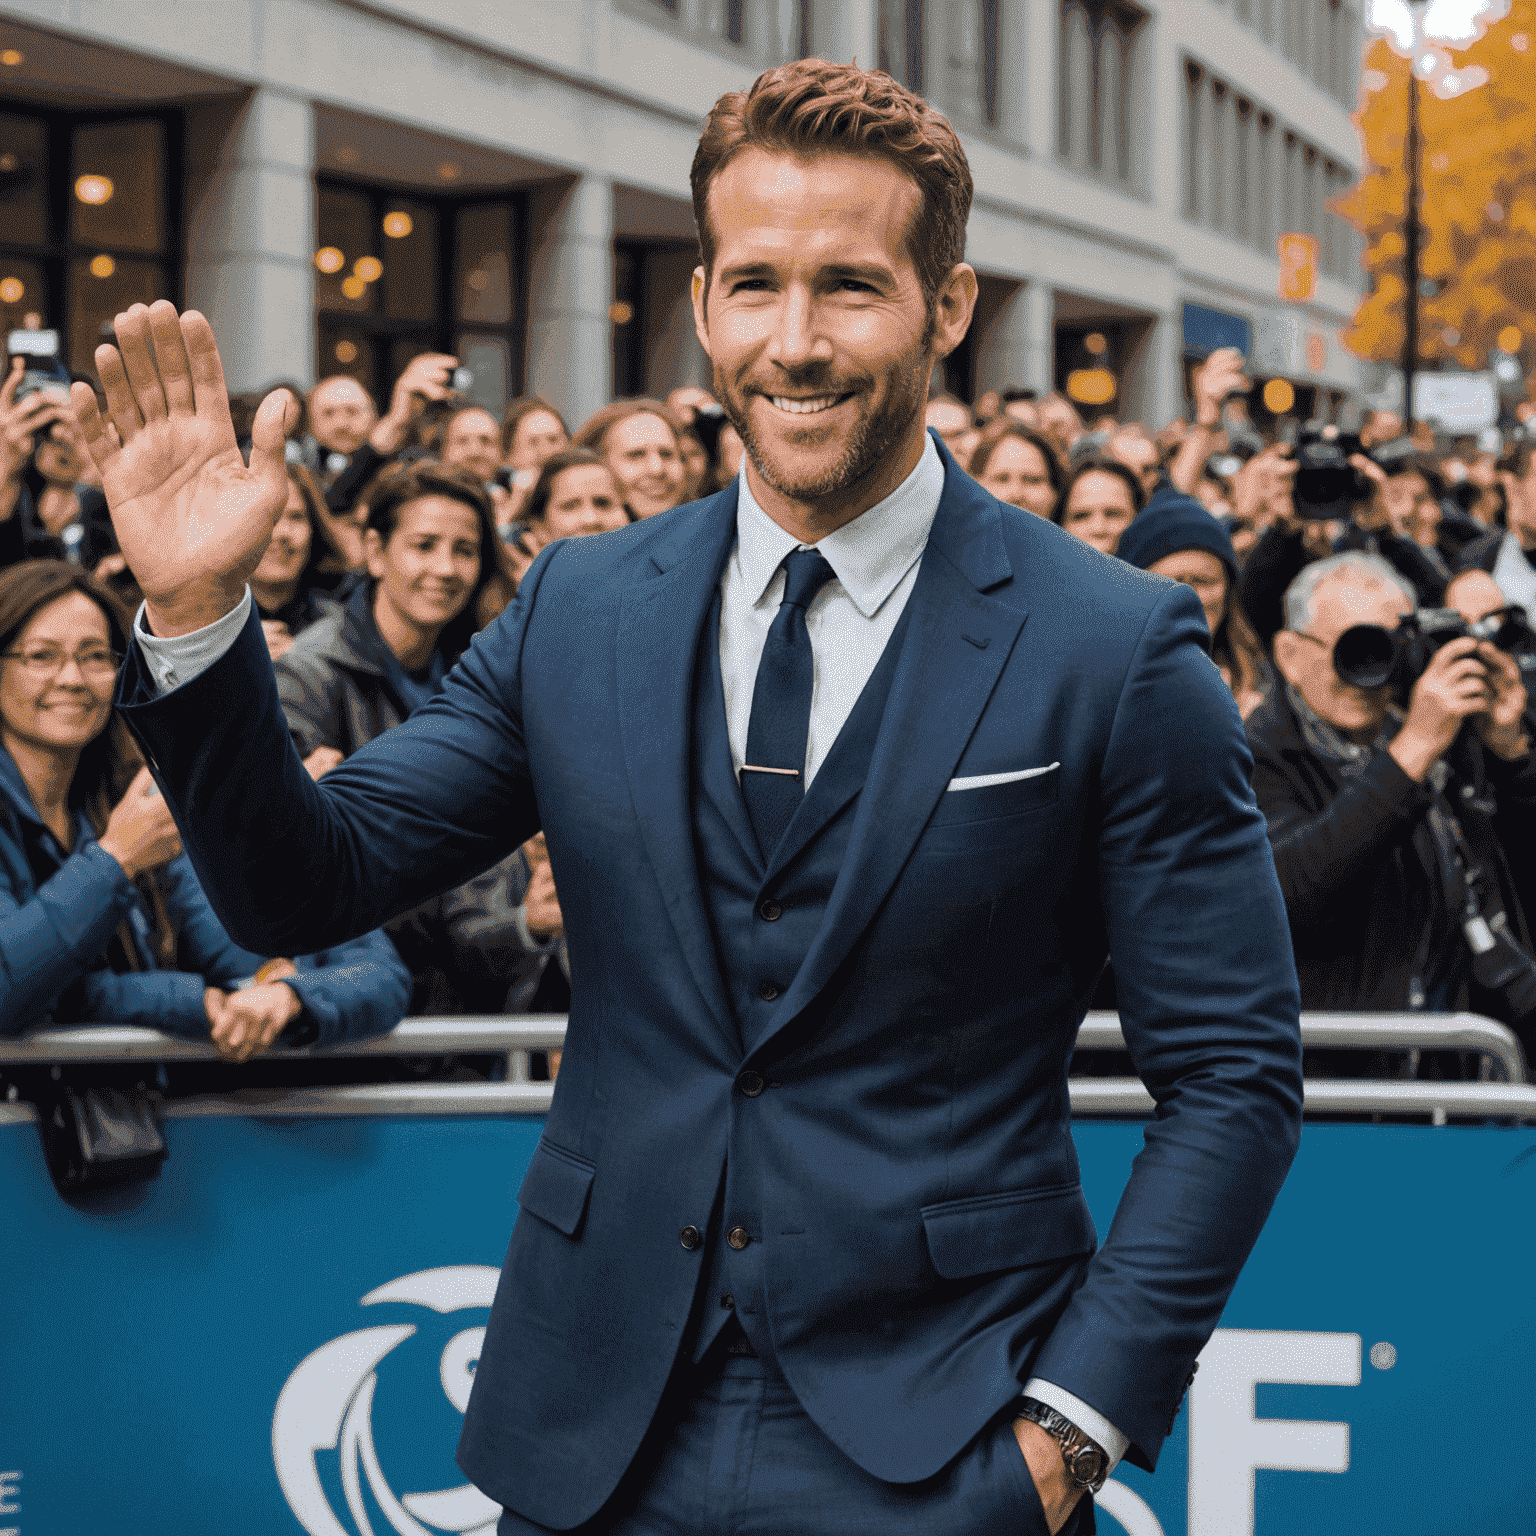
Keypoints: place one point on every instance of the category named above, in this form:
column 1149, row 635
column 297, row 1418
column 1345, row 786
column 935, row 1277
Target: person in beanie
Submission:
column 1175, row 536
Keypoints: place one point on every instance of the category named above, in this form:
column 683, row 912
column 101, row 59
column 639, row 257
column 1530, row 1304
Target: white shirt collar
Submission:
column 869, row 556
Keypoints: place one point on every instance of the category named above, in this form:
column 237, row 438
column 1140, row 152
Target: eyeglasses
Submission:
column 95, row 663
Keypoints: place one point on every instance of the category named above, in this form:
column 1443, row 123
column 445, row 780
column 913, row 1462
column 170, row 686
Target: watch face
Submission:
column 1085, row 1464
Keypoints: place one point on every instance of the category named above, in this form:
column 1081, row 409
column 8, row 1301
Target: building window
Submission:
column 967, row 35
column 768, row 32
column 899, row 29
column 89, row 221
column 1097, row 86
column 1253, row 180
column 402, row 274
column 1320, row 37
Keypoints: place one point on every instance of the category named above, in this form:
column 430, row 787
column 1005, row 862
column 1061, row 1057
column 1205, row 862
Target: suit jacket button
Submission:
column 770, row 911
column 690, row 1236
column 751, row 1084
column 738, row 1237
column 767, row 990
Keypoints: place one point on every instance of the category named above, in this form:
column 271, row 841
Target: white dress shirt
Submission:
column 875, row 559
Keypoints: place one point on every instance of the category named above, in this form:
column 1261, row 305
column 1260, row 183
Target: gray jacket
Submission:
column 469, row 950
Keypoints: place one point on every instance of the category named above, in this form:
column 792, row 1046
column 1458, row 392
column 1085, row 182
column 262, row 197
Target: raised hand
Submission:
column 192, row 520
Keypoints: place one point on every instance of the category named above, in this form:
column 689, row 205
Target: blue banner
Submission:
column 1207, row 329
column 279, row 1336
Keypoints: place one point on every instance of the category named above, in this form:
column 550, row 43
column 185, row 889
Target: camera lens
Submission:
column 1364, row 656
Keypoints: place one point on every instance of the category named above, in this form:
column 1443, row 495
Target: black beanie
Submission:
column 1172, row 521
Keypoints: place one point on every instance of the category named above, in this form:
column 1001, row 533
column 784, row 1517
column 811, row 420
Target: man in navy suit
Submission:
column 851, row 778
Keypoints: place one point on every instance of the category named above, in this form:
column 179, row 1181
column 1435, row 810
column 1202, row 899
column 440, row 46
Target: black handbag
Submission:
column 100, row 1136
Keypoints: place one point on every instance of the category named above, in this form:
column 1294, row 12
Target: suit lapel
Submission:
column 658, row 638
column 956, row 647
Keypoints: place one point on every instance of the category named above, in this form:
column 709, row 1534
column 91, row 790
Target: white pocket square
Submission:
column 987, row 780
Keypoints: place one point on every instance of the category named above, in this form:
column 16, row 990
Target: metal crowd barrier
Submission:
column 519, row 1036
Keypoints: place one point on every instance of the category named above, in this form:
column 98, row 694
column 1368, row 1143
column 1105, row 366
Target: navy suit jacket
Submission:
column 927, row 1246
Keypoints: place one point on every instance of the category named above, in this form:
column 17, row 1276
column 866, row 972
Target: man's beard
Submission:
column 869, row 441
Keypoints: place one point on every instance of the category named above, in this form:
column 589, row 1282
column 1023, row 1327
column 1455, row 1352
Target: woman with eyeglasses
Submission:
column 95, row 896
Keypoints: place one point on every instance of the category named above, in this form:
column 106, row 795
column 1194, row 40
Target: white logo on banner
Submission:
column 327, row 1405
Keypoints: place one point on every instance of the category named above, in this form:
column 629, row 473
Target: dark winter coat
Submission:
column 1370, row 915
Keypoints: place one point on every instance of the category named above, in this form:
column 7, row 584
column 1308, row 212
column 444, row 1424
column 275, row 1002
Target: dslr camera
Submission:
column 1370, row 656
column 1327, row 484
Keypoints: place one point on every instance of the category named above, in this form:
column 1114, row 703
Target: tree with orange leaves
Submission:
column 1478, row 212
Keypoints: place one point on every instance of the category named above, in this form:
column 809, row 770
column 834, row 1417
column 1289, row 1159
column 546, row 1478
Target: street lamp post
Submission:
column 1414, row 151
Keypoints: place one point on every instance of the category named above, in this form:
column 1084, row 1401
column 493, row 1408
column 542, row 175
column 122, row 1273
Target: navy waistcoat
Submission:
column 764, row 919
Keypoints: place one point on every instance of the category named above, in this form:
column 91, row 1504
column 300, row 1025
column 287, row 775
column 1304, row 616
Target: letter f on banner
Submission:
column 1228, row 1443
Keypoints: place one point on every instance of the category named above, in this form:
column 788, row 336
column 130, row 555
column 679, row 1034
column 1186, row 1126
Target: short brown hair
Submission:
column 594, row 432
column 391, row 493
column 525, row 405
column 812, row 106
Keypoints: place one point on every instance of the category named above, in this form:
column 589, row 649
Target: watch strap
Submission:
column 1086, row 1461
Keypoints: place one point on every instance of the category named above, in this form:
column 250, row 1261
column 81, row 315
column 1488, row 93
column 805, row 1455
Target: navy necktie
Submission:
column 773, row 775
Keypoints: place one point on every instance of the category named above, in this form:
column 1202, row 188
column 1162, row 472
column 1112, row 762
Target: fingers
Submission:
column 210, row 396
column 12, row 379
column 122, row 410
column 101, row 442
column 171, row 357
column 133, row 345
column 269, row 444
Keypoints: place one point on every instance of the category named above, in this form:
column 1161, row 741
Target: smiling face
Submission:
column 1017, row 473
column 289, row 548
column 641, row 450
column 63, row 714
column 1099, row 509
column 429, row 566
column 816, row 324
column 582, row 500
column 340, row 414
column 473, row 442
column 537, row 437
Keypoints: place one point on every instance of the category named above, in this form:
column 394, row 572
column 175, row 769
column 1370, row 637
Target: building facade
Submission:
column 339, row 184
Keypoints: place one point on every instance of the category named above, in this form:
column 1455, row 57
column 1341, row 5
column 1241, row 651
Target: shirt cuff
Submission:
column 178, row 660
column 1089, row 1420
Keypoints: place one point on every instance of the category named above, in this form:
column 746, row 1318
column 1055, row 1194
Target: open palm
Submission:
column 191, row 518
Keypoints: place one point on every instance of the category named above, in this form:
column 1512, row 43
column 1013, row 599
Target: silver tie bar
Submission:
column 793, row 773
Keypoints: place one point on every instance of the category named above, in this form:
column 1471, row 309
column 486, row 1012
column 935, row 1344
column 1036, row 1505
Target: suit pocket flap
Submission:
column 556, row 1187
column 1012, row 1230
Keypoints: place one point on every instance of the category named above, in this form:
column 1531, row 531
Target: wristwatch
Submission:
column 1087, row 1463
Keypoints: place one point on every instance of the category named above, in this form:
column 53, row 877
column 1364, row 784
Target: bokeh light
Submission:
column 102, row 266
column 398, row 224
column 1279, row 397
column 94, row 190
column 369, row 268
column 346, row 351
column 354, row 287
column 1091, row 386
column 329, row 259
column 12, row 290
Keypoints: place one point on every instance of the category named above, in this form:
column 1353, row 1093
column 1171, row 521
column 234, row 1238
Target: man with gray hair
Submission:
column 1378, row 800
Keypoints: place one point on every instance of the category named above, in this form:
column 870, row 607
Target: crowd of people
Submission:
column 1370, row 598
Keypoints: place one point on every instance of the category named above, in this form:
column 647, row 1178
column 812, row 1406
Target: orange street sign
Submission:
column 1298, row 267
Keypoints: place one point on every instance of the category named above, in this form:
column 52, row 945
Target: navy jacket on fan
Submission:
column 922, row 1246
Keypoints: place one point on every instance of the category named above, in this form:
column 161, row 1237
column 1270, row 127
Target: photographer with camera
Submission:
column 1507, row 553
column 48, row 509
column 1385, row 766
column 367, row 442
